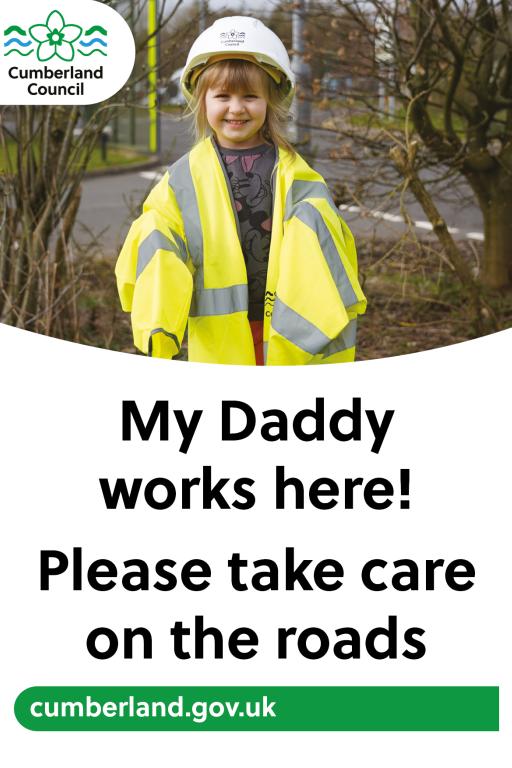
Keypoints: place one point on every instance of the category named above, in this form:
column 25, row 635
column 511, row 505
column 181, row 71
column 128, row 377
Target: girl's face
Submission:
column 236, row 119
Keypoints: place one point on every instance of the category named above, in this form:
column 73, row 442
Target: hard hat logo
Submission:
column 232, row 38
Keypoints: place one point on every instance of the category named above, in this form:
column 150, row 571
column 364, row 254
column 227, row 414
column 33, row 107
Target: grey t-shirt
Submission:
column 249, row 172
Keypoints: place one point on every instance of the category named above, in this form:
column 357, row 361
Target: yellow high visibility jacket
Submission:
column 182, row 261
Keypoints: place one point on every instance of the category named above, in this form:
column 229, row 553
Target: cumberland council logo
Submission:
column 64, row 52
column 55, row 38
column 233, row 38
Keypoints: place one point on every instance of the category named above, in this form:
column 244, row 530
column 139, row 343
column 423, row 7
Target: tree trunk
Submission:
column 497, row 263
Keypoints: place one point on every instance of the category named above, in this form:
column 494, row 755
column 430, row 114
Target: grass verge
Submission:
column 116, row 156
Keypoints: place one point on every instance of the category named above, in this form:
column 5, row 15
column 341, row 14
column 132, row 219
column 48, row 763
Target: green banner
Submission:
column 259, row 708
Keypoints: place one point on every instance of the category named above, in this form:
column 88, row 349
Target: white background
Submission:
column 60, row 413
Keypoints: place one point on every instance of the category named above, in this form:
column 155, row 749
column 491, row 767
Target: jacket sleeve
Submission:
column 154, row 277
column 342, row 348
column 318, row 295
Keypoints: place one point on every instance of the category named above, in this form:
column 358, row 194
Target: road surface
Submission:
column 110, row 203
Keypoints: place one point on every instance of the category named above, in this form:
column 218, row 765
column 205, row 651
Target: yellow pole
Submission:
column 153, row 76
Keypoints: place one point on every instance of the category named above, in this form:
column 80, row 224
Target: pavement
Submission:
column 110, row 203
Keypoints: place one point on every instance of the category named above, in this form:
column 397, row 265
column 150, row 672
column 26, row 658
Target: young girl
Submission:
column 241, row 238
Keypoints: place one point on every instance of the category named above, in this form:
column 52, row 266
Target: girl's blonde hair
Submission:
column 239, row 76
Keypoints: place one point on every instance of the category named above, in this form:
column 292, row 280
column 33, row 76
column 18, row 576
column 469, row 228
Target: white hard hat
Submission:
column 239, row 37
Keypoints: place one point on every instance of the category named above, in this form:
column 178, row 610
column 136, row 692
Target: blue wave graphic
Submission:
column 17, row 40
column 91, row 42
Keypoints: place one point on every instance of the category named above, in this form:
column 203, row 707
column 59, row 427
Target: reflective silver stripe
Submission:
column 166, row 333
column 155, row 241
column 182, row 247
column 344, row 341
column 180, row 180
column 219, row 301
column 297, row 329
column 265, row 352
column 302, row 190
column 312, row 217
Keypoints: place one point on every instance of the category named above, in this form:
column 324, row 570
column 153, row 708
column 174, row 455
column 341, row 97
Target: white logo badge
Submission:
column 63, row 52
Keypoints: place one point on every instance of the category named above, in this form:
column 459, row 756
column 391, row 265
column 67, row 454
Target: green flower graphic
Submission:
column 55, row 38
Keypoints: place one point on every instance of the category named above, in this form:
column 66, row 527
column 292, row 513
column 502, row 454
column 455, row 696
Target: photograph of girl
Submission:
column 270, row 141
column 240, row 241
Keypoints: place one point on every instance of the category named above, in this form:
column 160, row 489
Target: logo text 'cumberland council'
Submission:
column 74, row 74
column 90, row 38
